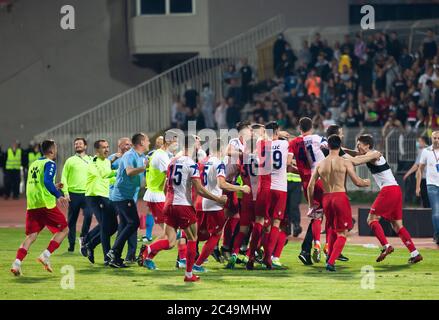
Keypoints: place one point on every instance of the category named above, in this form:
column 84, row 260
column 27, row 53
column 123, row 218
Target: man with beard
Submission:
column 74, row 178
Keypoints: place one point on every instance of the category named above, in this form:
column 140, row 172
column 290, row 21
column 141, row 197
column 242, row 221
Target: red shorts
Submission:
column 232, row 203
column 388, row 203
column 179, row 216
column 156, row 209
column 248, row 211
column 271, row 204
column 203, row 234
column 337, row 211
column 215, row 221
column 318, row 192
column 37, row 219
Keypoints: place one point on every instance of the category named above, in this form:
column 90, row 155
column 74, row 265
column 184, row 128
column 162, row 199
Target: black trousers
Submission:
column 132, row 240
column 293, row 200
column 107, row 223
column 128, row 215
column 78, row 202
column 12, row 183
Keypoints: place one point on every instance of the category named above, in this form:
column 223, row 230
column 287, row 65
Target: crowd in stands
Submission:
column 370, row 81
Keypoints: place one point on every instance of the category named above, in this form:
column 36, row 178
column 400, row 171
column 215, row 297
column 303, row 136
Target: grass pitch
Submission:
column 393, row 278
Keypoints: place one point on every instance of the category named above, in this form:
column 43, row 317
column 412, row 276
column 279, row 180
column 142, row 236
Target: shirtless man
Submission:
column 332, row 171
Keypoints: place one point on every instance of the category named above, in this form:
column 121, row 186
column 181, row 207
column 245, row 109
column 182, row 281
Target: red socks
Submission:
column 208, row 248
column 238, row 242
column 379, row 232
column 280, row 244
column 53, row 245
column 404, row 235
column 332, row 237
column 21, row 254
column 190, row 255
column 316, row 229
column 229, row 229
column 338, row 248
column 271, row 243
column 182, row 251
column 157, row 246
column 254, row 243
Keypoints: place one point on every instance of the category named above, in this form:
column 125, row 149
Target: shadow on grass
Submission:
column 28, row 280
column 392, row 267
column 342, row 273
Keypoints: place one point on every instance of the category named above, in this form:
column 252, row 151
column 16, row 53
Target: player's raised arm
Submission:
column 354, row 177
column 311, row 185
column 206, row 194
column 368, row 157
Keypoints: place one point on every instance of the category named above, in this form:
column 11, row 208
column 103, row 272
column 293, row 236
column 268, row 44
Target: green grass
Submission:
column 394, row 278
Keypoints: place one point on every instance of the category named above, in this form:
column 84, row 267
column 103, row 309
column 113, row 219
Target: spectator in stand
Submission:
column 278, row 50
column 431, row 121
column 174, row 110
column 394, row 46
column 412, row 113
column 191, row 97
column 360, row 47
column 233, row 114
column 421, row 144
column 328, row 120
column 345, row 60
column 313, row 83
column 235, row 92
column 328, row 51
column 371, row 117
column 322, row 67
column 429, row 46
column 392, row 123
column 290, row 55
column 352, row 119
column 406, row 60
column 181, row 116
column 428, row 75
column 221, row 115
column 392, row 72
column 316, row 48
column 246, row 81
column 207, row 105
column 305, row 54
column 284, row 68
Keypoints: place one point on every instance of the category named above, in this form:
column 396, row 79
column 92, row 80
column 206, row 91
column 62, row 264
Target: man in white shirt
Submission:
column 430, row 161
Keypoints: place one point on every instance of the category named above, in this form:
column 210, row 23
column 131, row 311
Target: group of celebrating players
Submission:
column 194, row 194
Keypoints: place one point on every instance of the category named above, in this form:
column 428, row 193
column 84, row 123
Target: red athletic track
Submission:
column 12, row 215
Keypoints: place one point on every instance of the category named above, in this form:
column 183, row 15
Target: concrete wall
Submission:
column 48, row 75
column 171, row 33
column 230, row 17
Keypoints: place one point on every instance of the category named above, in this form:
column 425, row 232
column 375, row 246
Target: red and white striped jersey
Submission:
column 213, row 168
column 272, row 163
column 180, row 173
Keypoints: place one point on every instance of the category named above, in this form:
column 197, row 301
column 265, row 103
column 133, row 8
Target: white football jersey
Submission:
column 382, row 173
column 213, row 169
column 181, row 171
column 274, row 165
column 313, row 148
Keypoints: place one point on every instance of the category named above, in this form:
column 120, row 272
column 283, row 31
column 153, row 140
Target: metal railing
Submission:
column 147, row 107
column 397, row 146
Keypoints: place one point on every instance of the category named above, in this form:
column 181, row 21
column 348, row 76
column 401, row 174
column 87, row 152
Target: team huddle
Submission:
column 233, row 194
